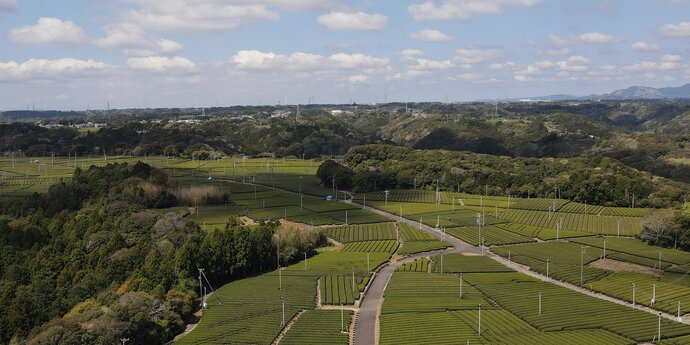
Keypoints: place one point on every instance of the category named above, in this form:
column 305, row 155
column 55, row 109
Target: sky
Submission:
column 79, row 54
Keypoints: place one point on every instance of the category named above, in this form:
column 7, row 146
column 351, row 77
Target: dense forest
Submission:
column 597, row 180
column 93, row 260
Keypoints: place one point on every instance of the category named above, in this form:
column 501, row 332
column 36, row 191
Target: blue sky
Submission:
column 178, row 53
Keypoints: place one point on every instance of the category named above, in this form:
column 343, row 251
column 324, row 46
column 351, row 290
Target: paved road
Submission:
column 366, row 329
column 366, row 320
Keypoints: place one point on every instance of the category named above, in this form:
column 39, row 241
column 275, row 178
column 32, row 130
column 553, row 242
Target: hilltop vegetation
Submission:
column 94, row 259
column 596, row 180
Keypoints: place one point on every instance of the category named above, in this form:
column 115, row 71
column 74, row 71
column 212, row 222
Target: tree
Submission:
column 659, row 228
column 331, row 172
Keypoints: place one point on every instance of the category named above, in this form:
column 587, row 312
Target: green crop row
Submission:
column 355, row 233
column 371, row 246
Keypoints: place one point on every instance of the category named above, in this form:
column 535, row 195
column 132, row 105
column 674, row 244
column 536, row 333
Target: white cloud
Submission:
column 359, row 78
column 135, row 41
column 198, row 15
column 431, row 36
column 500, row 66
column 408, row 53
column 598, row 37
column 666, row 63
column 575, row 63
column 48, row 30
column 168, row 46
column 585, row 38
column 42, row 68
column 469, row 77
column 476, row 55
column 463, row 9
column 527, row 74
column 353, row 21
column 303, row 4
column 258, row 60
column 8, row 5
column 160, row 63
column 555, row 51
column 675, row 30
column 426, row 64
column 644, row 46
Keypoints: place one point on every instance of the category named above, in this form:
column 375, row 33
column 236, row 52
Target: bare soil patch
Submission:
column 620, row 266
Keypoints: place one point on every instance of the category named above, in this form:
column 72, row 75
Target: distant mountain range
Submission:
column 633, row 92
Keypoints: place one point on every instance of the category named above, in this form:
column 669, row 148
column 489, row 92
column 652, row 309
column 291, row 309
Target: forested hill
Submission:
column 596, row 180
column 97, row 259
column 650, row 136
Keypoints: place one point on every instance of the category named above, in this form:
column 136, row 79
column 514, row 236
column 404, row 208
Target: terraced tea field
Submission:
column 356, row 233
column 624, row 226
column 491, row 235
column 371, row 246
column 318, row 327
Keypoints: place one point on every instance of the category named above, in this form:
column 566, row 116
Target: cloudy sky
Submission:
column 168, row 53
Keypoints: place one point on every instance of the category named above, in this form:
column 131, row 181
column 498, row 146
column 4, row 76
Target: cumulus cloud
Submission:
column 585, row 38
column 8, row 5
column 477, row 55
column 575, row 63
column 666, row 63
column 359, row 78
column 408, row 53
column 308, row 65
column 644, row 46
column 427, row 64
column 47, row 69
column 135, row 41
column 48, row 30
column 353, row 21
column 675, row 30
column 431, row 36
column 463, row 9
column 198, row 15
column 160, row 63
column 501, row 66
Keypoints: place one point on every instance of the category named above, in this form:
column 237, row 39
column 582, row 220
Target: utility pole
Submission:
column 633, row 295
column 282, row 323
column 547, row 268
column 582, row 265
column 461, row 287
column 479, row 323
column 540, row 303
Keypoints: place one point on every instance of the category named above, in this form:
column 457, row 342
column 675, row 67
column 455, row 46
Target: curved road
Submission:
column 366, row 320
column 366, row 328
